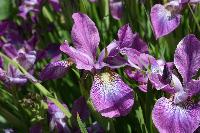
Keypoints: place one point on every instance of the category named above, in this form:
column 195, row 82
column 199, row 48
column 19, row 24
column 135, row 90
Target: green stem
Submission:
column 40, row 87
column 195, row 19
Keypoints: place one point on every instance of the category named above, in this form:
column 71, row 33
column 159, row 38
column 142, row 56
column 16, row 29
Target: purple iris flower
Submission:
column 144, row 67
column 57, row 68
column 57, row 118
column 109, row 94
column 116, row 8
column 28, row 6
column 12, row 76
column 116, row 50
column 165, row 18
column 181, row 113
column 10, row 31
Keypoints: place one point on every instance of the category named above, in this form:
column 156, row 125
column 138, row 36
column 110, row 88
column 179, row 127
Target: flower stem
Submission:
column 40, row 87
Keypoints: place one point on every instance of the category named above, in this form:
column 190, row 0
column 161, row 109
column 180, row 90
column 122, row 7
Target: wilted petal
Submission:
column 110, row 95
column 187, row 57
column 81, row 59
column 85, row 35
column 116, row 8
column 171, row 118
column 163, row 20
column 55, row 70
column 80, row 107
column 10, row 50
column 125, row 36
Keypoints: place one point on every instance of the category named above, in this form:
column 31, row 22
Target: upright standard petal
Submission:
column 163, row 20
column 55, row 70
column 171, row 118
column 111, row 55
column 110, row 95
column 125, row 36
column 187, row 57
column 85, row 35
column 139, row 44
column 81, row 59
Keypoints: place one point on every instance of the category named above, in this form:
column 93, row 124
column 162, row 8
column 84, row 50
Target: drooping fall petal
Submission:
column 55, row 70
column 163, row 20
column 171, row 118
column 110, row 95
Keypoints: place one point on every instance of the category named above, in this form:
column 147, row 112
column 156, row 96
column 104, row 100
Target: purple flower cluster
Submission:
column 20, row 50
column 112, row 97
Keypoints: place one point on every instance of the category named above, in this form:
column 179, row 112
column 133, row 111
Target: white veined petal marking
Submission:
column 108, row 83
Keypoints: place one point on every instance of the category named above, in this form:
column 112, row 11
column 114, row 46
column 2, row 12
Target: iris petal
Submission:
column 163, row 21
column 85, row 35
column 171, row 118
column 187, row 57
column 110, row 95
